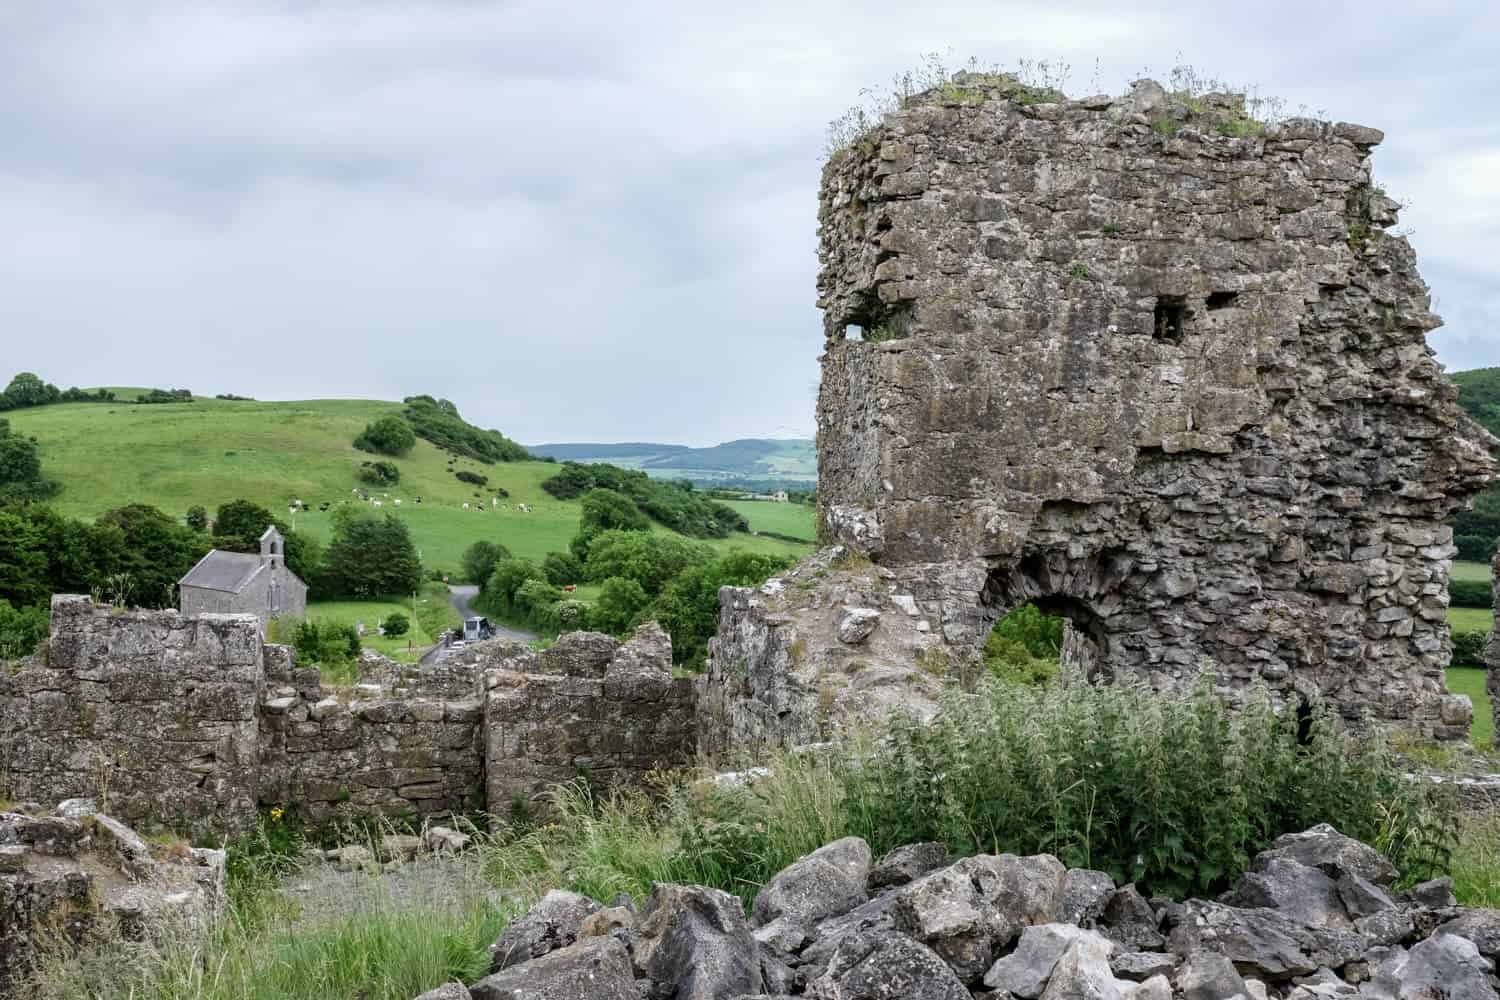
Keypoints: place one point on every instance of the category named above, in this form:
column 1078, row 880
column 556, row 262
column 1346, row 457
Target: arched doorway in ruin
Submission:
column 1084, row 593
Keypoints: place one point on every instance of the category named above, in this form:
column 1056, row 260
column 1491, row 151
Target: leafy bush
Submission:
column 390, row 435
column 327, row 643
column 22, row 629
column 1024, row 647
column 1469, row 647
column 473, row 478
column 688, row 606
column 21, row 476
column 569, row 616
column 479, row 561
column 562, row 568
column 165, row 396
column 647, row 557
column 673, row 503
column 197, row 517
column 395, row 624
column 1470, row 594
column 438, row 421
column 618, row 609
column 605, row 510
column 1164, row 790
column 379, row 473
column 534, row 599
column 27, row 389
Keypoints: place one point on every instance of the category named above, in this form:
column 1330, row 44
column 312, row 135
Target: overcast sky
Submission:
column 585, row 221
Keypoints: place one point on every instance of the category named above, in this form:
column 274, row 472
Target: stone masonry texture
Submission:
column 193, row 723
column 1153, row 366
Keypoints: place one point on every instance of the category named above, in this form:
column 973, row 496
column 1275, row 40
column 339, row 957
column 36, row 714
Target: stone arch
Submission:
column 1085, row 592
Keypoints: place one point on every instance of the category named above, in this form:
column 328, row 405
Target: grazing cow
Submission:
column 376, row 502
column 397, row 502
column 570, row 588
column 419, row 499
column 466, row 506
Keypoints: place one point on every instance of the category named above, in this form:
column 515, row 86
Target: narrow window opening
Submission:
column 854, row 332
column 1171, row 318
column 1221, row 300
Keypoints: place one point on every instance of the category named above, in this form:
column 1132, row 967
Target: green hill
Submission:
column 1476, row 532
column 177, row 455
column 790, row 460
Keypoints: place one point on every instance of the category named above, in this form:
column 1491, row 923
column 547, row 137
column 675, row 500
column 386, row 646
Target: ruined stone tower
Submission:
column 1154, row 366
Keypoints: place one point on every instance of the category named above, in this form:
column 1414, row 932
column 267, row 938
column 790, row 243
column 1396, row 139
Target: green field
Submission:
column 177, row 455
column 794, row 519
column 1471, row 619
column 1471, row 571
column 1470, row 681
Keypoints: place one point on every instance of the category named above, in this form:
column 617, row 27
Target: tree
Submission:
column 27, row 389
column 22, row 629
column 506, row 579
column 157, row 551
column 21, row 467
column 562, row 568
column 535, row 599
column 370, row 557
column 390, row 435
column 197, row 517
column 619, row 605
column 395, row 624
column 688, row 606
column 23, row 562
column 605, row 510
column 648, row 558
column 479, row 561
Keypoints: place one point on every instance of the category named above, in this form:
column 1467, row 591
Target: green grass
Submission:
column 407, row 648
column 1471, row 571
column 794, row 519
column 1471, row 619
column 1470, row 681
column 1475, row 866
column 178, row 455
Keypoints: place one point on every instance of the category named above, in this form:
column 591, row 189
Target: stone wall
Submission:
column 151, row 714
column 587, row 708
column 194, row 723
column 1153, row 367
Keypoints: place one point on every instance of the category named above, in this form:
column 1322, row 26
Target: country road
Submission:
column 460, row 595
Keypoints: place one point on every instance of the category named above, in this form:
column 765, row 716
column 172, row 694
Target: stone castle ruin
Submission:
column 1152, row 365
column 1141, row 361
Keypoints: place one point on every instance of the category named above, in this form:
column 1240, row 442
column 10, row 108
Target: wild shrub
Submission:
column 379, row 473
column 395, row 624
column 1168, row 791
column 1471, row 593
column 472, row 478
column 1469, row 648
column 390, row 435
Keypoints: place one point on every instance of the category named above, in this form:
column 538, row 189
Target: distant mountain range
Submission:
column 788, row 460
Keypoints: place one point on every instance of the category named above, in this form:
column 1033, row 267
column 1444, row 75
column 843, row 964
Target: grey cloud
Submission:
column 580, row 221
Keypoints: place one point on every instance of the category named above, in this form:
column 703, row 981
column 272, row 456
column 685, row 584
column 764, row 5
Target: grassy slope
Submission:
column 207, row 452
column 794, row 519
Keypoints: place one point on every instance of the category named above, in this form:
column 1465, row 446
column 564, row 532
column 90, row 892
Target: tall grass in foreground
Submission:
column 1476, row 862
column 376, row 948
column 1168, row 791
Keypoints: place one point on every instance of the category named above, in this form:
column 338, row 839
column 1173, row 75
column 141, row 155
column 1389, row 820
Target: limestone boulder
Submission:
column 1324, row 848
column 905, row 864
column 1024, row 972
column 595, row 969
column 829, row 881
column 1444, row 966
column 554, row 922
column 883, row 965
column 694, row 943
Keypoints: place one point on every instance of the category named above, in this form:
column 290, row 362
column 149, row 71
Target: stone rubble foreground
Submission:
column 1316, row 916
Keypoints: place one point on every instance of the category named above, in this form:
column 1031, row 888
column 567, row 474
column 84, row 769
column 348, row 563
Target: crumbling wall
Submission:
column 587, row 708
column 193, row 723
column 1155, row 367
column 149, row 713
